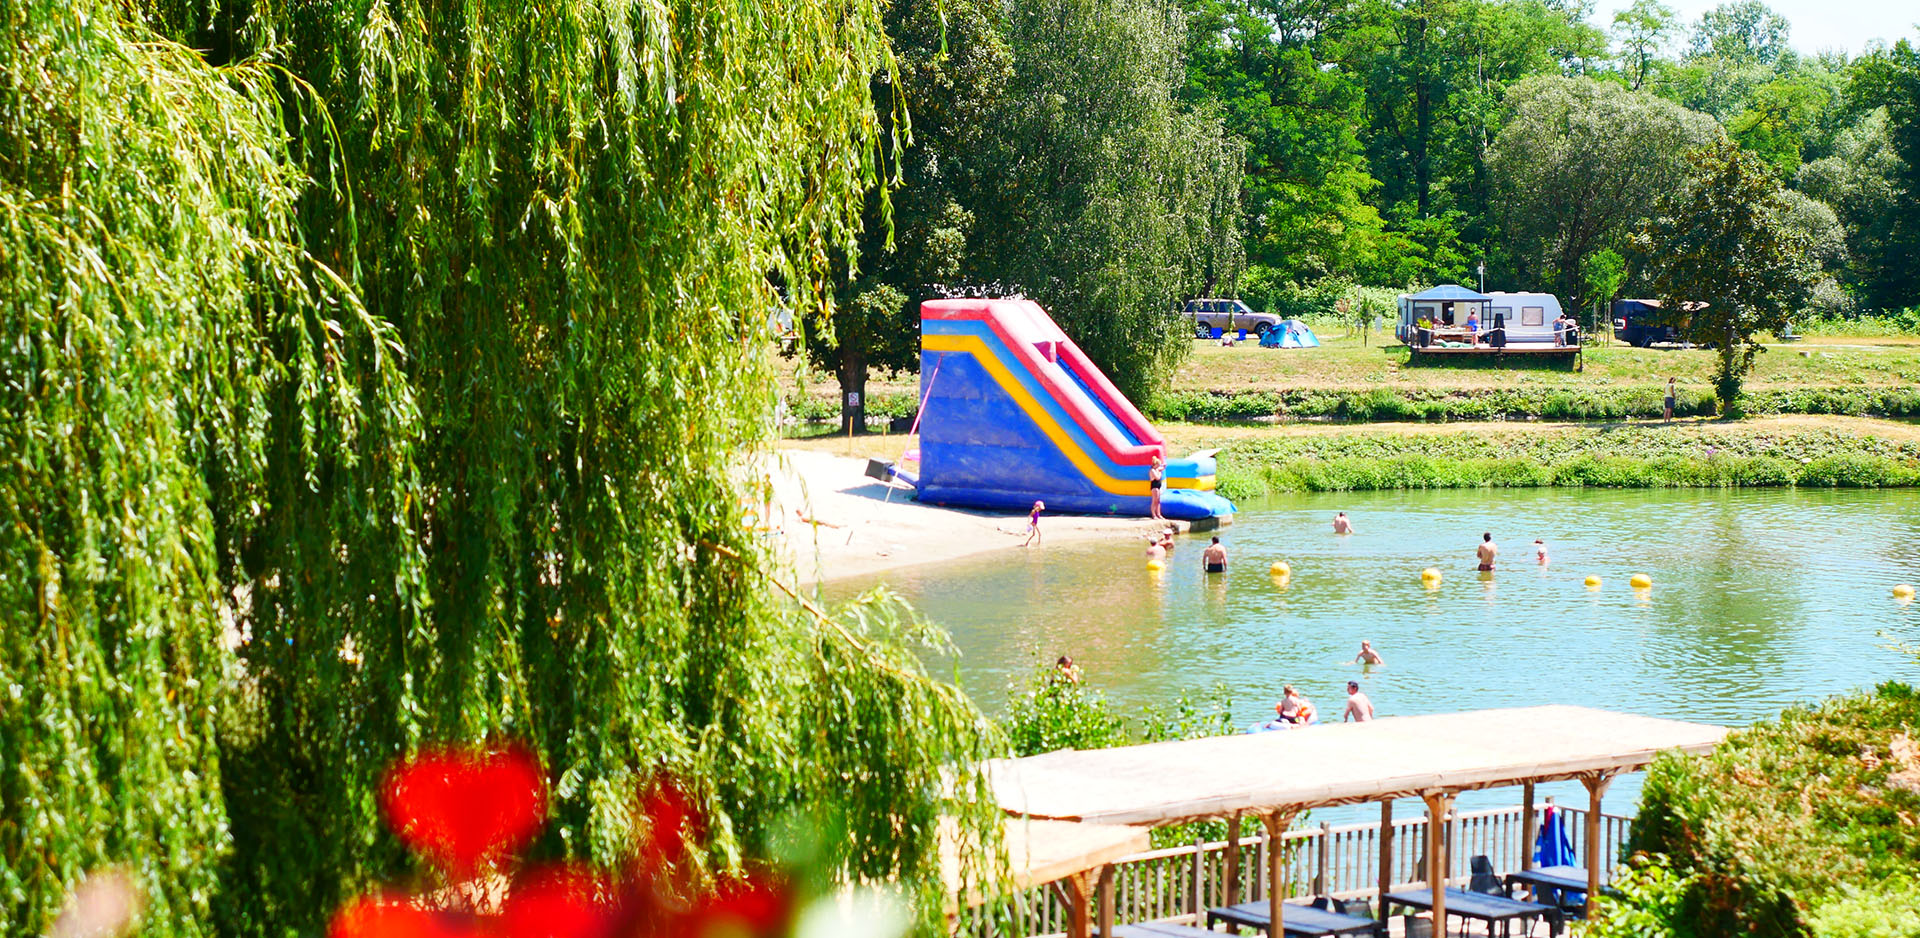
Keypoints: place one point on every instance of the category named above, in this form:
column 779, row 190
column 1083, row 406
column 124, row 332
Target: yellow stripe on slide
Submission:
column 1204, row 483
column 973, row 345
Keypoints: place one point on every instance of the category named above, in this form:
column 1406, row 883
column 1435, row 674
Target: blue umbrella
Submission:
column 1554, row 848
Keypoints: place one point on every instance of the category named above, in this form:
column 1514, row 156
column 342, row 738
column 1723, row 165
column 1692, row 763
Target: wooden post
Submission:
column 1526, row 827
column 1074, row 894
column 1106, row 901
column 1596, row 783
column 1439, row 804
column 1276, row 824
column 1322, row 859
column 1199, row 888
column 1386, row 855
column 1233, row 859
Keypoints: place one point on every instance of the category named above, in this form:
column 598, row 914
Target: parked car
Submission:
column 1226, row 315
column 1633, row 323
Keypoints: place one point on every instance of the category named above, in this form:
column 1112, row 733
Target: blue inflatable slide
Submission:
column 1014, row 412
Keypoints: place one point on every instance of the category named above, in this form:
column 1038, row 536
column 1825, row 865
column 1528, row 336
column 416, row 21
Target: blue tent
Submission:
column 1290, row 333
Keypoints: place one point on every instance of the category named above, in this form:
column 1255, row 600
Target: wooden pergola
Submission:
column 1062, row 853
column 1276, row 776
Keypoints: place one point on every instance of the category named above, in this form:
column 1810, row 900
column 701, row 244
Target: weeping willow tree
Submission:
column 580, row 218
column 181, row 385
column 576, row 220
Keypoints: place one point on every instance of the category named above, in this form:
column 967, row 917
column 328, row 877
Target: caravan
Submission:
column 1529, row 317
column 1526, row 318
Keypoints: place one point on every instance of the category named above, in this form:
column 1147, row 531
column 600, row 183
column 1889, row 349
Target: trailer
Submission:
column 1451, row 320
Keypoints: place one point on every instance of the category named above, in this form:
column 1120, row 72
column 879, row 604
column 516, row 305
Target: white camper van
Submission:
column 1529, row 316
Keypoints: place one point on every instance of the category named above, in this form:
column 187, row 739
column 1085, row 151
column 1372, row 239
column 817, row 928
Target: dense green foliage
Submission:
column 184, row 392
column 1595, row 403
column 1584, row 458
column 1727, row 262
column 406, row 340
column 1799, row 826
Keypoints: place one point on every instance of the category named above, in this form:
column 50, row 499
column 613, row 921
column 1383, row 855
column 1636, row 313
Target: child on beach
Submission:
column 1033, row 524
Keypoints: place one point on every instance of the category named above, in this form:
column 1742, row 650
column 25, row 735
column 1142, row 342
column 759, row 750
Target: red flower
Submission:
column 461, row 808
column 560, row 902
column 396, row 917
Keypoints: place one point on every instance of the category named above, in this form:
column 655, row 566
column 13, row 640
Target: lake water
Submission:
column 1760, row 599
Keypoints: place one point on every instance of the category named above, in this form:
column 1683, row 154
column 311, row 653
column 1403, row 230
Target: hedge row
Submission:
column 1255, row 468
column 1385, row 405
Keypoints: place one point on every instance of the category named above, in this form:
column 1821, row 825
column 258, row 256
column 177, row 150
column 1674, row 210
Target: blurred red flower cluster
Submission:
column 468, row 812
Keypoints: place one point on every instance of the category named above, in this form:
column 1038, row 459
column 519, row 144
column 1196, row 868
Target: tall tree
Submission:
column 1726, row 262
column 184, row 387
column 1742, row 31
column 1579, row 165
column 458, row 439
column 1861, row 182
column 1112, row 201
column 1890, row 78
column 953, row 71
column 1643, row 31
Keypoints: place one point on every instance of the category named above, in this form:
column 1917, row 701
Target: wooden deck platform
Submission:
column 1528, row 350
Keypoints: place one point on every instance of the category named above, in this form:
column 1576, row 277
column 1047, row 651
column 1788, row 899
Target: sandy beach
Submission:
column 835, row 522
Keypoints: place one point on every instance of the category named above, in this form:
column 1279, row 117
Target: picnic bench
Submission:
column 1489, row 908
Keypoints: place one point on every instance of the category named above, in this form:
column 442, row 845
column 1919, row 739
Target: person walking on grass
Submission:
column 1033, row 524
column 1156, row 477
column 1669, row 401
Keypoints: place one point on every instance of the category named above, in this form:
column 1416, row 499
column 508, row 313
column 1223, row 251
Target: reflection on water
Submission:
column 1760, row 599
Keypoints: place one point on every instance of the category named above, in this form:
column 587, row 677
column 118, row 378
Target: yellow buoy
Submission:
column 1430, row 576
column 1593, row 582
column 1280, row 568
column 1155, row 565
column 1903, row 591
column 1640, row 581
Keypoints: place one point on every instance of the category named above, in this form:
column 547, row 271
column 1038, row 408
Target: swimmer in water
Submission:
column 1367, row 655
column 1341, row 525
column 1155, row 550
column 1215, row 557
column 1540, row 551
column 1486, row 552
column 1033, row 524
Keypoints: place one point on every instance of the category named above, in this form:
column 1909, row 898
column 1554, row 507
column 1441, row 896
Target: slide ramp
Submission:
column 1014, row 412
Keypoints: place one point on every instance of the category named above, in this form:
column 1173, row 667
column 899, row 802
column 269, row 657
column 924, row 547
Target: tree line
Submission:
column 1384, row 143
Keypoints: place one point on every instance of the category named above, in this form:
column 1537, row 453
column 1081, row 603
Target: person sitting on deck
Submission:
column 1423, row 330
column 1359, row 708
column 1294, row 708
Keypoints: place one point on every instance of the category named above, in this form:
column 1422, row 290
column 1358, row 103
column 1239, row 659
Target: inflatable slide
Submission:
column 1013, row 412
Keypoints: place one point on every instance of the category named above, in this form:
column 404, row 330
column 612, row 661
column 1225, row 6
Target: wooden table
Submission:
column 1564, row 879
column 1490, row 909
column 1304, row 921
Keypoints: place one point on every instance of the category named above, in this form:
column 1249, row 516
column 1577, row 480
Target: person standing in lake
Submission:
column 1367, row 655
column 1215, row 557
column 1540, row 551
column 1033, row 524
column 1156, row 477
column 1341, row 525
column 1359, row 708
column 1486, row 552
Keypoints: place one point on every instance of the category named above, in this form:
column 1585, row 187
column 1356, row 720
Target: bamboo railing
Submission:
column 1181, row 883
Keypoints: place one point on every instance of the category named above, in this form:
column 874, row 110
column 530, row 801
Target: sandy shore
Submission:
column 835, row 522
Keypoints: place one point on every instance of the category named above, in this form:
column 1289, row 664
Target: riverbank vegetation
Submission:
column 1800, row 826
column 1619, row 456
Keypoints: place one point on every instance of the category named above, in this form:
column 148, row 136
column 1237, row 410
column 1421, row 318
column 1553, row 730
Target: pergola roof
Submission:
column 1040, row 852
column 1167, row 783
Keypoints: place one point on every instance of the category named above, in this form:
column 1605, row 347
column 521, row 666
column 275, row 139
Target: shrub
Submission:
column 1794, row 827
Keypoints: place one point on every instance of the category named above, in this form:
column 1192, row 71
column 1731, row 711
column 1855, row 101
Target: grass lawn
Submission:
column 1341, row 363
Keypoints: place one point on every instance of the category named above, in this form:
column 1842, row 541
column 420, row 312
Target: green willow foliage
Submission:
column 576, row 219
column 184, row 396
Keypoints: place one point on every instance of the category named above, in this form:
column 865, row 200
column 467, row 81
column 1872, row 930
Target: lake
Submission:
column 1761, row 598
